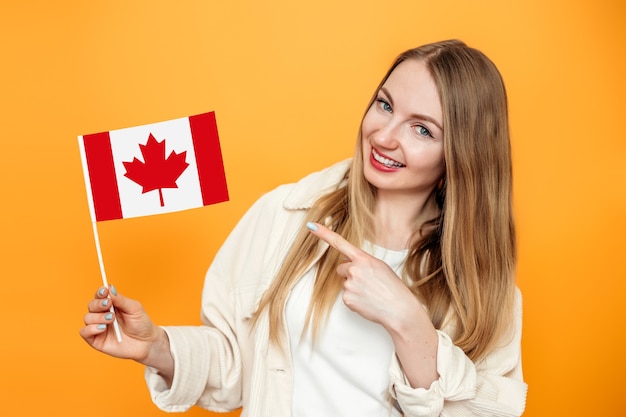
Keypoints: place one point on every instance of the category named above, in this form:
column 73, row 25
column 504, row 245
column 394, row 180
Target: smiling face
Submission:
column 402, row 136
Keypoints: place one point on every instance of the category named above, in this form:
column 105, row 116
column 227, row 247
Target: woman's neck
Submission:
column 397, row 217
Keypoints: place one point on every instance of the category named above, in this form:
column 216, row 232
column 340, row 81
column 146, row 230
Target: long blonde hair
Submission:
column 460, row 264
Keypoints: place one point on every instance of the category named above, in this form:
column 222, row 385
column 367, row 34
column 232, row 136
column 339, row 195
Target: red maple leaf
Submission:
column 156, row 172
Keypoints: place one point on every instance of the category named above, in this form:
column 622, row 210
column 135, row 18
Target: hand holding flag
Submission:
column 120, row 185
column 145, row 342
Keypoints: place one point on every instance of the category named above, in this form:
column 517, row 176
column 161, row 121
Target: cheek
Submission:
column 441, row 169
column 441, row 158
column 366, row 133
column 369, row 123
column 366, row 147
column 440, row 164
column 429, row 160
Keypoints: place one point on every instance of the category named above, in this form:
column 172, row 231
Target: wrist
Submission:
column 416, row 343
column 158, row 352
column 405, row 319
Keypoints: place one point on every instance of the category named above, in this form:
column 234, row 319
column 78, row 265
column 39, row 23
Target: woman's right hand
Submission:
column 142, row 340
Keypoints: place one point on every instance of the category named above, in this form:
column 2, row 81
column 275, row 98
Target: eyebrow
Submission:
column 415, row 116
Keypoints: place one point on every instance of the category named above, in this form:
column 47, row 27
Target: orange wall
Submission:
column 288, row 82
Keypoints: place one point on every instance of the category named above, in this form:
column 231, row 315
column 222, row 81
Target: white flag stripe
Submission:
column 125, row 147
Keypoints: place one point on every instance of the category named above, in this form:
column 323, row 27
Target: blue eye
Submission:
column 421, row 130
column 384, row 105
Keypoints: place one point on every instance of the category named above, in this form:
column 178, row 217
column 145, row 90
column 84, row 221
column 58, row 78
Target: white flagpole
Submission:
column 92, row 214
column 116, row 326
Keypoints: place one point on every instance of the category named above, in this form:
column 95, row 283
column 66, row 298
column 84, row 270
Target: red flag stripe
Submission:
column 208, row 158
column 105, row 194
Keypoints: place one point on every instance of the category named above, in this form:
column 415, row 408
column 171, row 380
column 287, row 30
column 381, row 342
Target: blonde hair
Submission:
column 460, row 264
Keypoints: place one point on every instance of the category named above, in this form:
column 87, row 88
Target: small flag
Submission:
column 153, row 169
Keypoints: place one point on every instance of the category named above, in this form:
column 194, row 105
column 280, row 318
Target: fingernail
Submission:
column 101, row 291
column 113, row 290
column 109, row 316
column 102, row 326
column 311, row 226
column 105, row 302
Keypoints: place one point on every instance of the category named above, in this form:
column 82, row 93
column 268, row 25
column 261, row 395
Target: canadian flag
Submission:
column 153, row 169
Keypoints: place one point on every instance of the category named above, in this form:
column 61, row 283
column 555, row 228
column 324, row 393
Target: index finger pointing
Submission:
column 335, row 240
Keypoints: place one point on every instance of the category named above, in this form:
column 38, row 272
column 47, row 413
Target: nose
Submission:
column 388, row 135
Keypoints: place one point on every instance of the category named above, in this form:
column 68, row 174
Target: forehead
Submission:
column 412, row 88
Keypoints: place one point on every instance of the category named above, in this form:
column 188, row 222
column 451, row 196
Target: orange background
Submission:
column 288, row 82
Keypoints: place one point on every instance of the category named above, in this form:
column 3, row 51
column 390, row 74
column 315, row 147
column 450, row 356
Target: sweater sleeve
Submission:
column 492, row 387
column 212, row 382
column 208, row 358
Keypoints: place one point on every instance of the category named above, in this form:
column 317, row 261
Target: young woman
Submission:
column 380, row 286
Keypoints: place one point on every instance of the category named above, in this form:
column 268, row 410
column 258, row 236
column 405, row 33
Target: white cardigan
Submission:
column 224, row 364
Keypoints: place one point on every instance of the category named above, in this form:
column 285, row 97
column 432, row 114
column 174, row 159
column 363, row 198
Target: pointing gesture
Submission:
column 371, row 289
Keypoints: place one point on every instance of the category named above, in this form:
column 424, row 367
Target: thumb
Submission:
column 122, row 303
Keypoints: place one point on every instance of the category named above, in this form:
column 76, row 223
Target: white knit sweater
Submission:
column 225, row 364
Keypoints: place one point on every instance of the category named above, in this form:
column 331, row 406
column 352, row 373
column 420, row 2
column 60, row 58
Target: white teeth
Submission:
column 386, row 162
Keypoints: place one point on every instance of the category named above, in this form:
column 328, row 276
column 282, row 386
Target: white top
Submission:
column 347, row 372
